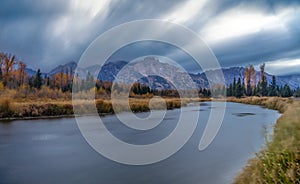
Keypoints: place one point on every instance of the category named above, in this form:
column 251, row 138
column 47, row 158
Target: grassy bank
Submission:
column 279, row 161
column 275, row 103
column 18, row 109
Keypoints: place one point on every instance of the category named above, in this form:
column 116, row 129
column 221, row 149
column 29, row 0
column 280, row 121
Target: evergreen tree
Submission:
column 145, row 89
column 243, row 88
column 278, row 90
column 297, row 92
column 286, row 91
column 273, row 87
column 206, row 92
column 135, row 89
column 234, row 87
column 31, row 81
column 264, row 87
column 38, row 80
column 229, row 90
column 239, row 89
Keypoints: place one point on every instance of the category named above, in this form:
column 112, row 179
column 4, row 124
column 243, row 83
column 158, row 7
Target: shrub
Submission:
column 5, row 108
column 104, row 107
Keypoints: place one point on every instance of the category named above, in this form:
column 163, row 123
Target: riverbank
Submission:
column 14, row 109
column 38, row 146
column 274, row 103
column 279, row 161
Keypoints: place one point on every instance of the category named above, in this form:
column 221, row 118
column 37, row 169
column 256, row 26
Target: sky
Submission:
column 47, row 33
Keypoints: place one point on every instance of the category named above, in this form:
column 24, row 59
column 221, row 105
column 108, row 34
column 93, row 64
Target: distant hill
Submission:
column 30, row 72
column 67, row 68
column 110, row 70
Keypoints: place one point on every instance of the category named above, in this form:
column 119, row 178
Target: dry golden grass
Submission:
column 20, row 107
column 279, row 161
column 5, row 107
column 276, row 103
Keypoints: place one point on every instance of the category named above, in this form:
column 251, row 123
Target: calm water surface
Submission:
column 54, row 151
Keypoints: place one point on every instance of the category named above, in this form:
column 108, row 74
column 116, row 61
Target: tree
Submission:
column 90, row 83
column 2, row 56
column 38, row 80
column 263, row 81
column 21, row 73
column 69, row 79
column 206, row 92
column 77, row 83
column 286, row 91
column 136, row 88
column 264, row 88
column 297, row 92
column 61, row 79
column 8, row 62
column 249, row 80
column 234, row 87
column 229, row 90
column 252, row 76
column 239, row 89
column 273, row 87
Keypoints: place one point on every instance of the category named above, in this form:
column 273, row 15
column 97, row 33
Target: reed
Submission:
column 279, row 161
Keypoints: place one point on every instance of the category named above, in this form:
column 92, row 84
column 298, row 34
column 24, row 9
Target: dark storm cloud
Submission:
column 26, row 28
column 14, row 9
column 47, row 33
column 23, row 27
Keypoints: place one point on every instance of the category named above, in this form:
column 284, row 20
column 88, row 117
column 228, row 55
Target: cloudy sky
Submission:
column 47, row 33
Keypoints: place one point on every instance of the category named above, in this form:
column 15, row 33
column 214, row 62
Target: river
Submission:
column 54, row 151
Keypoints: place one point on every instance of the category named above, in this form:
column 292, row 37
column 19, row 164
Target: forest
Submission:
column 19, row 84
column 251, row 86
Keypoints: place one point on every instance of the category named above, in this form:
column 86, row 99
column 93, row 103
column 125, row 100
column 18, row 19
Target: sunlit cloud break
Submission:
column 284, row 66
column 185, row 11
column 239, row 22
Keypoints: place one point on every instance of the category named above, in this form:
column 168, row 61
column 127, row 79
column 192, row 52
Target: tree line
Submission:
column 250, row 87
column 13, row 75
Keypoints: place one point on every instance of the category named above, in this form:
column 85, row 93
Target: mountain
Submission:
column 67, row 68
column 292, row 80
column 107, row 73
column 146, row 70
column 110, row 70
column 156, row 74
column 30, row 72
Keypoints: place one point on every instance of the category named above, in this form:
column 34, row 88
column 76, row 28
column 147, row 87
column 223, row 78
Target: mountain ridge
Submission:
column 110, row 70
